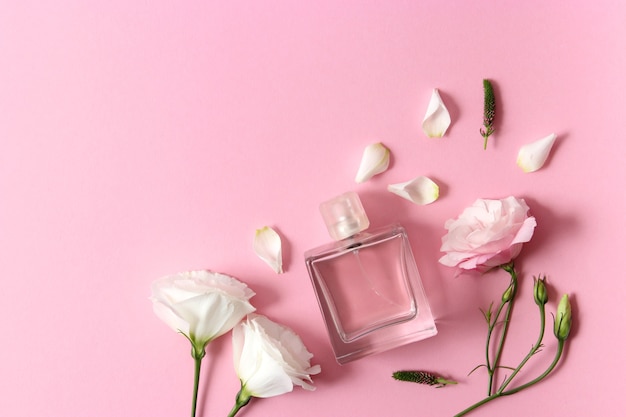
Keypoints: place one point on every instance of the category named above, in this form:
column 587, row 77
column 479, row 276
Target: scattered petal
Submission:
column 437, row 118
column 374, row 161
column 421, row 190
column 267, row 246
column 532, row 156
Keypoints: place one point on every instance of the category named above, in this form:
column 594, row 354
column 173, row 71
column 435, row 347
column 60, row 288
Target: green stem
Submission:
column 557, row 357
column 533, row 350
column 241, row 401
column 490, row 369
column 510, row 268
column 478, row 404
column 498, row 394
column 196, row 383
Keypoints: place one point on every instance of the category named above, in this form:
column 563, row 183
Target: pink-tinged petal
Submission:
column 526, row 231
column 532, row 156
column 487, row 234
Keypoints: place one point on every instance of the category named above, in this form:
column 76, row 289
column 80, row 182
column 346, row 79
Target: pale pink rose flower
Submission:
column 487, row 234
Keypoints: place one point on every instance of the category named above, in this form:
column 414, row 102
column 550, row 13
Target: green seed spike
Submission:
column 422, row 377
column 489, row 111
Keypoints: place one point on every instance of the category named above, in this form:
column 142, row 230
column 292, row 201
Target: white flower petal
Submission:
column 532, row 156
column 374, row 161
column 170, row 317
column 201, row 304
column 437, row 118
column 212, row 315
column 270, row 359
column 421, row 190
column 268, row 247
column 258, row 363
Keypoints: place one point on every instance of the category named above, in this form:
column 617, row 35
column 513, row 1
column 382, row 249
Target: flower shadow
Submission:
column 550, row 226
column 500, row 116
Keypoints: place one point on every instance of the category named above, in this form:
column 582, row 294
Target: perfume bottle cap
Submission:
column 344, row 215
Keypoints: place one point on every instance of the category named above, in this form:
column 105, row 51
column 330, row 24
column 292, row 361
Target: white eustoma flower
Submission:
column 532, row 156
column 270, row 359
column 201, row 304
column 374, row 161
column 437, row 118
column 268, row 246
column 421, row 190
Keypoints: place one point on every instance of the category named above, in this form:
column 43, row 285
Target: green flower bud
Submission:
column 540, row 292
column 563, row 319
column 508, row 294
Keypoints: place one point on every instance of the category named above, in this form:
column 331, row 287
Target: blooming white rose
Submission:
column 270, row 359
column 202, row 304
column 487, row 234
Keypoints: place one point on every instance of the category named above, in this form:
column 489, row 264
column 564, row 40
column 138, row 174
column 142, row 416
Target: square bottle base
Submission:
column 370, row 293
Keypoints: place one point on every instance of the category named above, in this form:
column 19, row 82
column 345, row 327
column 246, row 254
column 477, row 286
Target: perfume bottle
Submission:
column 367, row 284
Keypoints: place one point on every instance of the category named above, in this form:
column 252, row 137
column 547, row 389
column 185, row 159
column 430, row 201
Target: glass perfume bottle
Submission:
column 367, row 284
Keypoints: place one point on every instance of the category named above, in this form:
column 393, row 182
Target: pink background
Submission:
column 139, row 139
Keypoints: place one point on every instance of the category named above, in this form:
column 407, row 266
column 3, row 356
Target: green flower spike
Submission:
column 421, row 377
column 489, row 112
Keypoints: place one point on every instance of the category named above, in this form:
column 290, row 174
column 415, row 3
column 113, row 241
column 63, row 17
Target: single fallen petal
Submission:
column 532, row 156
column 374, row 161
column 421, row 190
column 437, row 118
column 268, row 247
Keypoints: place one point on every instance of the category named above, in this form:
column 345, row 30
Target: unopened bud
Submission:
column 508, row 294
column 540, row 292
column 563, row 319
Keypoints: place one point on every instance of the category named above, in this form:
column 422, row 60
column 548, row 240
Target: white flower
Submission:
column 374, row 161
column 268, row 247
column 202, row 304
column 421, row 190
column 532, row 156
column 270, row 358
column 437, row 118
